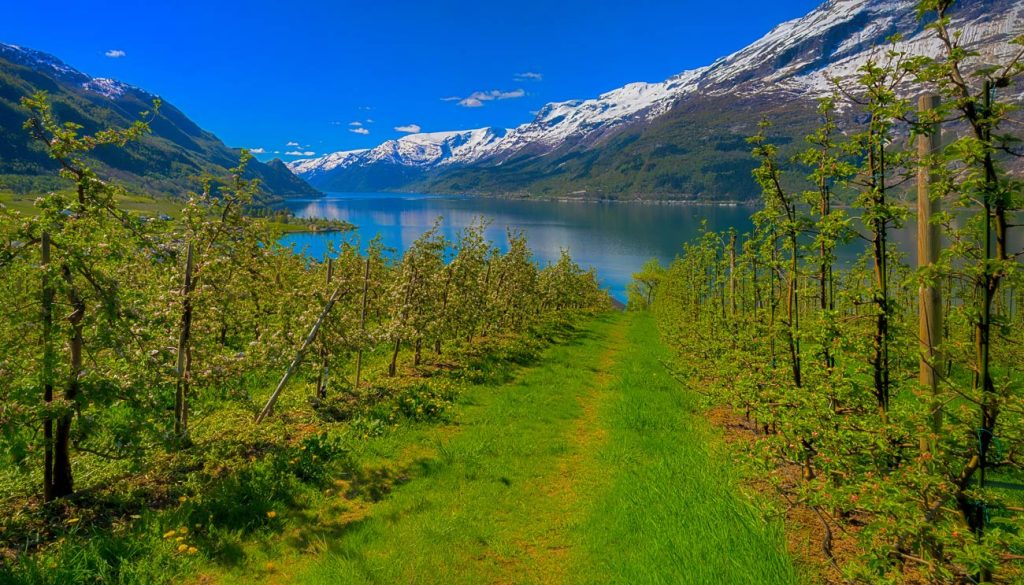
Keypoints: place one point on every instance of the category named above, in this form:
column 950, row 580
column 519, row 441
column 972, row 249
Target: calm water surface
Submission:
column 614, row 238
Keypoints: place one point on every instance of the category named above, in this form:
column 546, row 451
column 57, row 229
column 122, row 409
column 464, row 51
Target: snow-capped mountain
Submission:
column 791, row 64
column 50, row 65
column 167, row 161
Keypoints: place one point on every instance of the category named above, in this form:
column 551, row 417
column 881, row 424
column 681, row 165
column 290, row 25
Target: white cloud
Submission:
column 409, row 128
column 362, row 131
column 369, row 120
column 292, row 143
column 277, row 152
column 300, row 153
column 260, row 150
column 115, row 53
column 477, row 98
column 508, row 95
column 453, row 98
column 529, row 75
column 355, row 123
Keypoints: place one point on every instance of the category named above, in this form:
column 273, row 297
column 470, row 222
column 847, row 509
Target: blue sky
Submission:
column 264, row 74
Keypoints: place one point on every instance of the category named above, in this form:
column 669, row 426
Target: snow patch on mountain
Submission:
column 424, row 149
column 311, row 167
column 39, row 61
column 50, row 65
column 796, row 59
column 107, row 87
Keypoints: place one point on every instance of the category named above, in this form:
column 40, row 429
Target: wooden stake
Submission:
column 929, row 295
column 310, row 338
column 362, row 320
column 321, row 382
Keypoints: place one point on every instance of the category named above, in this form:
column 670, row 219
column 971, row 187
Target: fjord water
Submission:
column 614, row 238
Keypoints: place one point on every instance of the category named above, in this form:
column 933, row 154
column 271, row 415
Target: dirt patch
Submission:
column 805, row 527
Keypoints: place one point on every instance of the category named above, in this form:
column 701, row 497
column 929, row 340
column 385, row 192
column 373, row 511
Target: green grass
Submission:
column 672, row 513
column 592, row 467
column 139, row 204
column 587, row 464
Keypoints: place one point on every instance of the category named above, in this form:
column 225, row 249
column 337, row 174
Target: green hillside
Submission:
column 163, row 163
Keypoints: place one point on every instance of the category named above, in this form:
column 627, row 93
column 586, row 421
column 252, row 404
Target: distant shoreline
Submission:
column 556, row 198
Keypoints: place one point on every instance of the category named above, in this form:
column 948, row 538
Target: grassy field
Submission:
column 592, row 466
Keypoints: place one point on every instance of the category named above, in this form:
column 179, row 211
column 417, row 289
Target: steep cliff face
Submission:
column 680, row 137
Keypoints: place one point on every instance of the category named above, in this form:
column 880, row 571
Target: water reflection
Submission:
column 614, row 238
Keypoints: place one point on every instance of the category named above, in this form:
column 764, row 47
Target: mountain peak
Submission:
column 40, row 61
column 795, row 62
column 50, row 65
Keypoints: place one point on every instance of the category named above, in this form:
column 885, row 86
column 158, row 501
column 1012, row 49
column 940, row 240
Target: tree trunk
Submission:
column 48, row 359
column 63, row 482
column 362, row 321
column 732, row 273
column 393, row 366
column 444, row 309
column 793, row 313
column 321, row 379
column 184, row 365
column 879, row 228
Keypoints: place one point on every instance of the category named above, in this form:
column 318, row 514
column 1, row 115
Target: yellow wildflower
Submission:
column 182, row 547
column 170, row 533
column 271, row 514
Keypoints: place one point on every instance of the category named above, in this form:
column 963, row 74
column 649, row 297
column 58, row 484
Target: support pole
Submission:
column 310, row 338
column 362, row 322
column 929, row 294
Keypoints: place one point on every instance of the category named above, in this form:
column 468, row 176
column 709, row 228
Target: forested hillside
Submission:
column 167, row 161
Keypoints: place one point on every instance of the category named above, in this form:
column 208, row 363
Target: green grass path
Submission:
column 593, row 466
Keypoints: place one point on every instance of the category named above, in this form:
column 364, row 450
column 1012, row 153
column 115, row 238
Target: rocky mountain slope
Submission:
column 680, row 138
column 165, row 162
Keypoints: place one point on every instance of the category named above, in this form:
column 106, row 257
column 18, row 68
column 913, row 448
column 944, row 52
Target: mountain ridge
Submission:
column 167, row 161
column 560, row 151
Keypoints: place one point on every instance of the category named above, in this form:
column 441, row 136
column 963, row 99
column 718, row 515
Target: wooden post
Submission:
column 268, row 409
column 321, row 381
column 47, row 371
column 362, row 321
column 930, row 294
